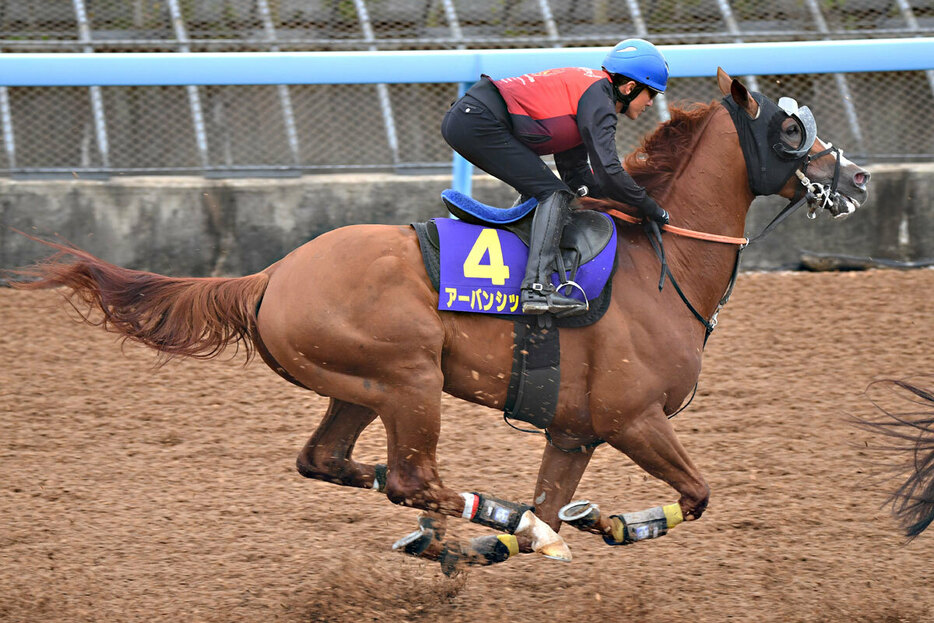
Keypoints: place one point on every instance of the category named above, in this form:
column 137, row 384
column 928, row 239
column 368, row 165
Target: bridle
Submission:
column 820, row 196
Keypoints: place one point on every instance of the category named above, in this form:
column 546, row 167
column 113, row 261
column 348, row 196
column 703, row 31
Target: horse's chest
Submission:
column 627, row 375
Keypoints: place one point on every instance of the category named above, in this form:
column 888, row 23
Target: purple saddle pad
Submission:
column 482, row 269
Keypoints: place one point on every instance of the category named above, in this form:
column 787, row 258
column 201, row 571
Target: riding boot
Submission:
column 538, row 295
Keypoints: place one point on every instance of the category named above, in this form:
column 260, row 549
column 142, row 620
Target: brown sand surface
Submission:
column 130, row 493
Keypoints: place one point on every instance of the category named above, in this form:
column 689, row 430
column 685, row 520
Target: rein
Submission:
column 816, row 194
column 680, row 231
column 653, row 231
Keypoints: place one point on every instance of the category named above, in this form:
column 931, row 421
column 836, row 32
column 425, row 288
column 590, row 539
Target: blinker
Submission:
column 770, row 163
column 805, row 119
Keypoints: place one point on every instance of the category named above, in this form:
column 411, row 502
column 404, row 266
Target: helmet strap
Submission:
column 626, row 99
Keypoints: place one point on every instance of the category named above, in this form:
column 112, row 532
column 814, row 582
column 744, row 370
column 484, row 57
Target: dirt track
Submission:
column 129, row 493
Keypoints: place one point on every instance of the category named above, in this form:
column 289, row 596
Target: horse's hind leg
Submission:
column 327, row 455
column 412, row 418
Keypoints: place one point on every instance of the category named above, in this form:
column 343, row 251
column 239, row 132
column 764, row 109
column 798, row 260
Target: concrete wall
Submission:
column 201, row 227
column 897, row 222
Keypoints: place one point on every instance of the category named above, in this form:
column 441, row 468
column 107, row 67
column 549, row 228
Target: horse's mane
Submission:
column 656, row 161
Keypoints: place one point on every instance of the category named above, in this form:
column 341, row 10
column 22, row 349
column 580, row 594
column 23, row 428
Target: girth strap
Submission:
column 536, row 373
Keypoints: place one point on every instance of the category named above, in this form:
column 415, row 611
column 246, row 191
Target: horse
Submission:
column 911, row 437
column 353, row 316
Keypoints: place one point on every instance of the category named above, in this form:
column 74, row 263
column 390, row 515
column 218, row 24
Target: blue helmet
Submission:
column 638, row 60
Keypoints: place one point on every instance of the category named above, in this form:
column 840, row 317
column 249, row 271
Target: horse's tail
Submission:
column 188, row 317
column 910, row 432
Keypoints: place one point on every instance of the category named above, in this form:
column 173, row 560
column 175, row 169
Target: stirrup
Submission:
column 570, row 283
column 581, row 308
column 536, row 300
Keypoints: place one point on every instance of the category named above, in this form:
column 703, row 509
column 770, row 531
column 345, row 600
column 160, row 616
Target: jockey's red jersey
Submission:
column 543, row 107
column 571, row 113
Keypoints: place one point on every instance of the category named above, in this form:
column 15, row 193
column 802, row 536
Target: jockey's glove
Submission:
column 651, row 210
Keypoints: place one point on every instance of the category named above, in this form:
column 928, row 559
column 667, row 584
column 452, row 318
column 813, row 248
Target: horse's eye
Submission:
column 792, row 133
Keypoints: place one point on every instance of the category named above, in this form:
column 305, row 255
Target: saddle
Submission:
column 583, row 238
column 477, row 261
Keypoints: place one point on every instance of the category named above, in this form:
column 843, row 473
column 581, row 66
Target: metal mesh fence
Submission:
column 235, row 130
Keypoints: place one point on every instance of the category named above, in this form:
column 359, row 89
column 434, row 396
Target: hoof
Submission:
column 416, row 543
column 622, row 529
column 420, row 542
column 545, row 541
column 583, row 515
column 556, row 551
column 481, row 551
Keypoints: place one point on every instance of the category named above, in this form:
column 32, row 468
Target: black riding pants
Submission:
column 485, row 140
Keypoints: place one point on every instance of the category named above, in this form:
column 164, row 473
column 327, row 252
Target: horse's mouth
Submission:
column 838, row 204
column 843, row 206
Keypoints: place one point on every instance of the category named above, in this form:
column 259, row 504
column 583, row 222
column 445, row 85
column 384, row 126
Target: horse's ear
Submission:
column 724, row 80
column 738, row 91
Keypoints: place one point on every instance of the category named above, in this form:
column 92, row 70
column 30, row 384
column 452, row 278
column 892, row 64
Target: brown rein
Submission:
column 680, row 231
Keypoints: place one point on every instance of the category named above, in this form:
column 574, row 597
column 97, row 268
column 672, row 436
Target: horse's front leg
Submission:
column 650, row 441
column 558, row 476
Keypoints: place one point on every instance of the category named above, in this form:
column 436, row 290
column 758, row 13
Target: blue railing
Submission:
column 238, row 68
column 447, row 66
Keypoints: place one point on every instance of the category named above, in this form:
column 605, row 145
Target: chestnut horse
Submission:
column 353, row 316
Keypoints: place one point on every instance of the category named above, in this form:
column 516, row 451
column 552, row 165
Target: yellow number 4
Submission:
column 496, row 271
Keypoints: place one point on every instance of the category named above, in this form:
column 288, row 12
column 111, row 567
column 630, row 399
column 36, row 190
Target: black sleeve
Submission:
column 574, row 170
column 596, row 120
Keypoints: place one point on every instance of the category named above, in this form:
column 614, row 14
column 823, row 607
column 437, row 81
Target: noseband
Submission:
column 820, row 196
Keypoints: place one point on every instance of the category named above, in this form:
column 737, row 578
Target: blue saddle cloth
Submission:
column 482, row 269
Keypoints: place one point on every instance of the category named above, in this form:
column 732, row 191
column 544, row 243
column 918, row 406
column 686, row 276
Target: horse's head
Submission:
column 784, row 155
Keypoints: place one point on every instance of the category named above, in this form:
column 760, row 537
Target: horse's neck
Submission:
column 710, row 194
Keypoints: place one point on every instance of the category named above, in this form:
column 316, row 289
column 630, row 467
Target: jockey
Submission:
column 503, row 126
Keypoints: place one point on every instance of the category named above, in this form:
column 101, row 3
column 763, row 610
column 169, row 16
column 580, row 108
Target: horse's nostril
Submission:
column 861, row 178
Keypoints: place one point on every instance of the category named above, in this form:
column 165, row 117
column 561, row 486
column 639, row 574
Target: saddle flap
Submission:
column 586, row 234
